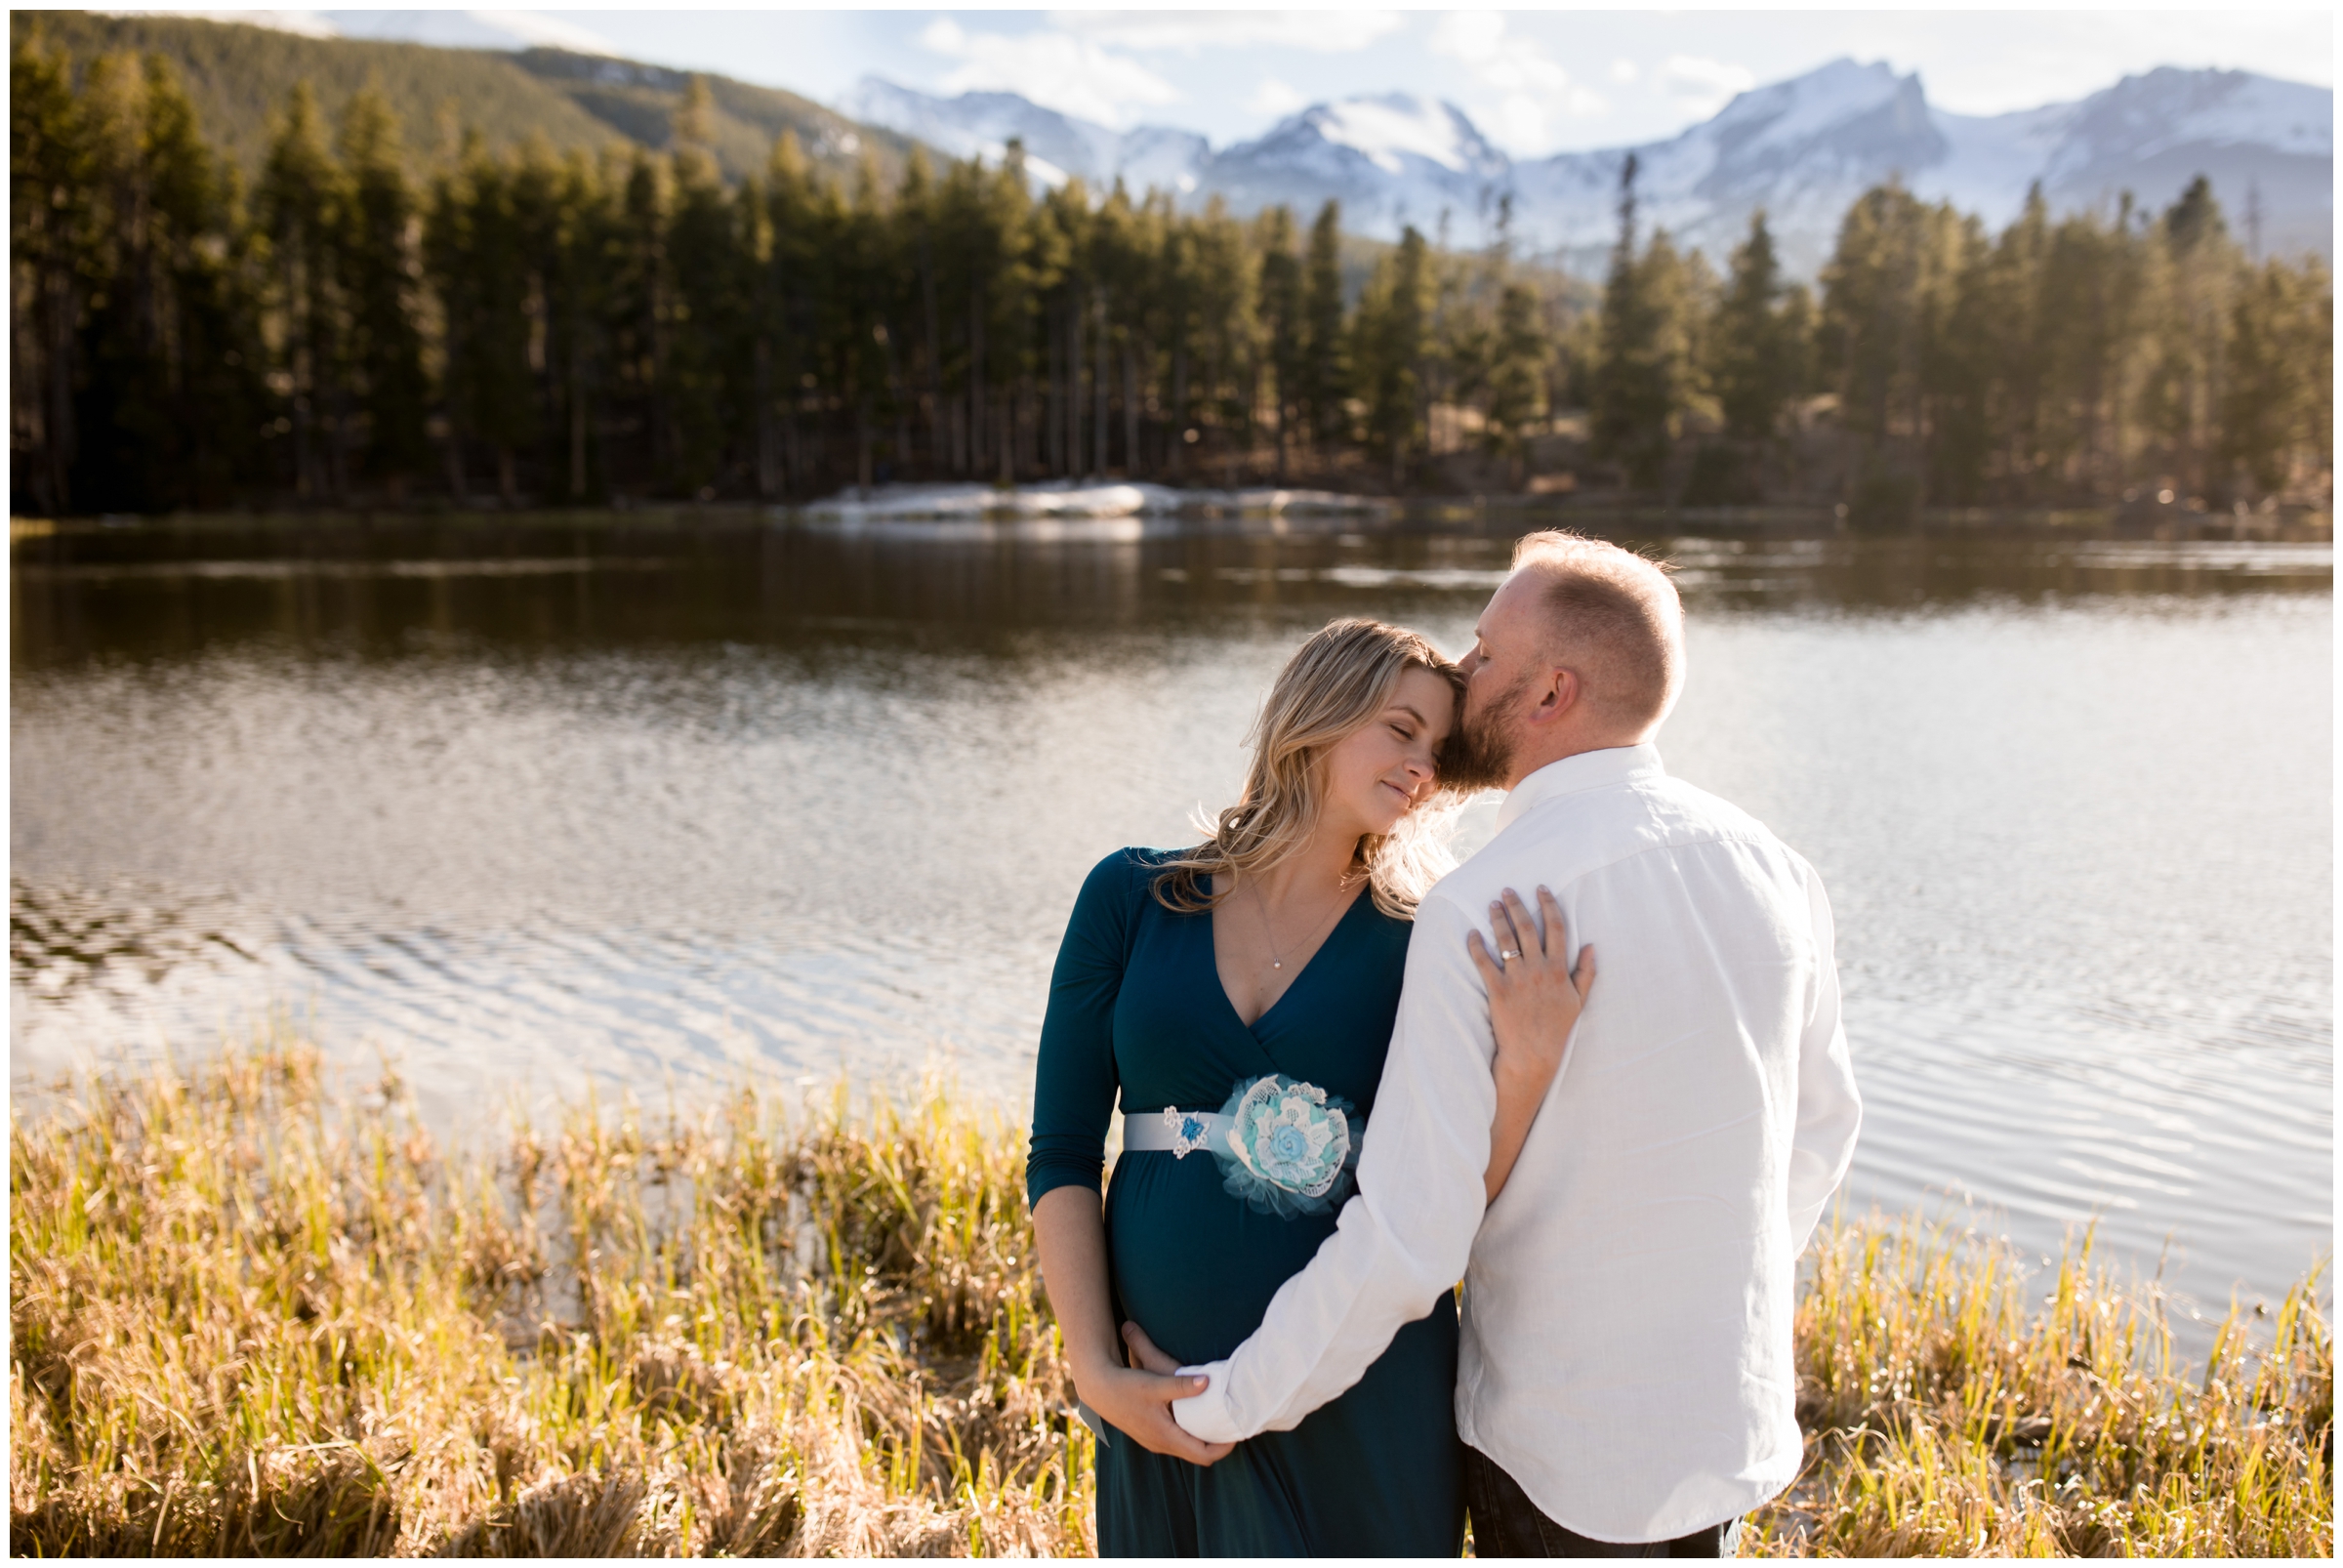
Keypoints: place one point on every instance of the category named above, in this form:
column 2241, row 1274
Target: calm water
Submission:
column 529, row 807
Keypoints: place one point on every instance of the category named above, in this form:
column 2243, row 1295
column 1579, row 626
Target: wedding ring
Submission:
column 1507, row 952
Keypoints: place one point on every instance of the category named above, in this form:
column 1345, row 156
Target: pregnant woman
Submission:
column 1238, row 997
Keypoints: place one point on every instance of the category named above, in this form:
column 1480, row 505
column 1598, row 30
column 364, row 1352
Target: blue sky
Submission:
column 1536, row 82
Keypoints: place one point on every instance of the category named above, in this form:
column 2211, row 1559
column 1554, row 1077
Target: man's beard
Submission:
column 1479, row 755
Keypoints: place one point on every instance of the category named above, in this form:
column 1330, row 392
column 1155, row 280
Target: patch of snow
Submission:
column 1382, row 128
column 1789, row 114
column 1068, row 499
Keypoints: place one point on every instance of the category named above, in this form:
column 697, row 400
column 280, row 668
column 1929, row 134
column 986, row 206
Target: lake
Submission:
column 647, row 805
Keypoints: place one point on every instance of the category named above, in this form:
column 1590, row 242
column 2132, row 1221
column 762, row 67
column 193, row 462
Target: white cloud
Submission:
column 1623, row 71
column 1472, row 36
column 1073, row 75
column 1274, row 99
column 1704, row 85
column 1322, row 32
column 1531, row 87
column 537, row 27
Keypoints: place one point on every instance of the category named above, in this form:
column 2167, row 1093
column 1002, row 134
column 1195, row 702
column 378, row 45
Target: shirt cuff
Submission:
column 1205, row 1415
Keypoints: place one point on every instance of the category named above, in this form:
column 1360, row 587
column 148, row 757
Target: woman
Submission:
column 1239, row 997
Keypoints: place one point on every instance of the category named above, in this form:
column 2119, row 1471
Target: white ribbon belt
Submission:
column 1179, row 1133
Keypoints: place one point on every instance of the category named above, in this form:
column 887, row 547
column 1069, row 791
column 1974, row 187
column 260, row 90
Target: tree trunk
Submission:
column 455, row 458
column 1054, row 415
column 59, row 432
column 1105, row 381
column 978, row 413
column 1180, row 407
column 764, row 418
column 1074, row 378
column 1131, row 409
column 935, row 349
column 301, row 352
column 577, row 438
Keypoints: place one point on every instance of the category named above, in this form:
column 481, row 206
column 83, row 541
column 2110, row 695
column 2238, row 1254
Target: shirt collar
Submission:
column 1574, row 775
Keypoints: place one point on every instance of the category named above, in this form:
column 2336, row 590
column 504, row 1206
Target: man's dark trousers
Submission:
column 1505, row 1523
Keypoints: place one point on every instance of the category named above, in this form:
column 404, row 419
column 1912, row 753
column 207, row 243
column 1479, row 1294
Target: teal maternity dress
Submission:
column 1137, row 1010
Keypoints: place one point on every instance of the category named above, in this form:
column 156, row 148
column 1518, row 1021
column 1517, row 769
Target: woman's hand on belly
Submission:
column 1137, row 1402
column 1071, row 1236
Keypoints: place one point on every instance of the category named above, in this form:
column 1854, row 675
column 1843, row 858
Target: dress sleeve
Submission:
column 1073, row 1081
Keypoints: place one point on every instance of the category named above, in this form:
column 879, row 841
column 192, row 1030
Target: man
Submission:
column 1627, row 1385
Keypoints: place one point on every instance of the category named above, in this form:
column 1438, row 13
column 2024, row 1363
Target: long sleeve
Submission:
column 1074, row 1080
column 1829, row 1111
column 1406, row 1234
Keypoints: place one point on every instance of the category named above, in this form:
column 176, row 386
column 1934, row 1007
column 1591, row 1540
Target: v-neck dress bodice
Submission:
column 1138, row 1013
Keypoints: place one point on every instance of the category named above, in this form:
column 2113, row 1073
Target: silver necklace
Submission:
column 1277, row 959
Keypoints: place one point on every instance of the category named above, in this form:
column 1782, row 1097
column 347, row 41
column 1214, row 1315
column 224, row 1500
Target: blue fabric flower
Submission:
column 1288, row 1147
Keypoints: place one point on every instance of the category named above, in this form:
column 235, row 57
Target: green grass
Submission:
column 254, row 1312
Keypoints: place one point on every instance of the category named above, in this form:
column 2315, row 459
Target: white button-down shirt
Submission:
column 1628, row 1297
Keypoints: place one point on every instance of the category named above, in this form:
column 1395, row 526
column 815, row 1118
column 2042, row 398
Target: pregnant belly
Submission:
column 1192, row 1265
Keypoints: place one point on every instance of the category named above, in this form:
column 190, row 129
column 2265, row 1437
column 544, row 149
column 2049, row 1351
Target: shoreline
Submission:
column 257, row 1309
column 945, row 512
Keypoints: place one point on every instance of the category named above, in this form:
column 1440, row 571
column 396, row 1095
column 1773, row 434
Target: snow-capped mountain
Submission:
column 1056, row 146
column 1803, row 149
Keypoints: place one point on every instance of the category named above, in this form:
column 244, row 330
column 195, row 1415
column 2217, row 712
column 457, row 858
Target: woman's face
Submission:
column 1379, row 772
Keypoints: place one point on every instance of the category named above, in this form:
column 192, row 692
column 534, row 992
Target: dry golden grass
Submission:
column 247, row 1321
column 1956, row 1405
column 251, row 1314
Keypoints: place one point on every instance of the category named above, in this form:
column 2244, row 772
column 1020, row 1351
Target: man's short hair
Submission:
column 1613, row 617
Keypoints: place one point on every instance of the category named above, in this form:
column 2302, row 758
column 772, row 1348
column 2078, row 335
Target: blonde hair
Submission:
column 1335, row 683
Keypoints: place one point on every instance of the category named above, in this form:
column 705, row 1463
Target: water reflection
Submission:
column 402, row 587
column 531, row 804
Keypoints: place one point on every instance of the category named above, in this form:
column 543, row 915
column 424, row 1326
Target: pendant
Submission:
column 1276, row 965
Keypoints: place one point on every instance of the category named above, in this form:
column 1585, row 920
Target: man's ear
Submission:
column 1560, row 696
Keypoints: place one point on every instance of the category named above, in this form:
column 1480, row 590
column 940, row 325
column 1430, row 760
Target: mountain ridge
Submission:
column 238, row 75
column 1802, row 149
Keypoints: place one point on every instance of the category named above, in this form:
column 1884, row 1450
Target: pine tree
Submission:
column 208, row 308
column 1282, row 322
column 1323, row 385
column 1227, row 305
column 1637, row 386
column 301, row 199
column 2199, row 264
column 706, row 327
column 1389, row 339
column 2279, row 355
column 49, row 227
column 124, row 412
column 380, row 277
column 788, row 303
column 1889, row 296
column 1757, row 364
column 1516, row 378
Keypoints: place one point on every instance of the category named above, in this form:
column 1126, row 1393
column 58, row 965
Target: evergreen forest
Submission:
column 354, row 322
